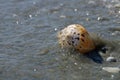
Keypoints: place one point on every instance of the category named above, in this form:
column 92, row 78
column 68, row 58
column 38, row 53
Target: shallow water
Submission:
column 28, row 43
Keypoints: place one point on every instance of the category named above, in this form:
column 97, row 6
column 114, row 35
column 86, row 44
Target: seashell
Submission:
column 76, row 36
column 112, row 69
column 111, row 59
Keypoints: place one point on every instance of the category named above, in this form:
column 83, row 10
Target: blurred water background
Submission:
column 28, row 43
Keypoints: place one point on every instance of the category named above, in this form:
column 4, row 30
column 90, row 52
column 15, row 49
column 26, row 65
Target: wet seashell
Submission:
column 111, row 59
column 76, row 36
column 112, row 69
column 117, row 5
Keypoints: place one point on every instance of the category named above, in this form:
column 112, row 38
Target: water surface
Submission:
column 28, row 43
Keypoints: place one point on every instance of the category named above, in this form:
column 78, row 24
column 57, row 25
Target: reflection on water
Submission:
column 28, row 44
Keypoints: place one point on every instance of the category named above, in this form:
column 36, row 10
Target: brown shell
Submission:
column 76, row 36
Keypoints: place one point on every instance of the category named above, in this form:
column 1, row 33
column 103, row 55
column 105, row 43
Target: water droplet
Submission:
column 35, row 14
column 66, row 66
column 79, row 68
column 61, row 4
column 91, row 2
column 14, row 15
column 112, row 76
column 87, row 14
column 35, row 70
column 30, row 16
column 62, row 16
column 17, row 22
column 34, row 2
column 118, row 11
column 99, row 18
column 75, row 10
column 75, row 63
column 55, row 29
column 87, row 19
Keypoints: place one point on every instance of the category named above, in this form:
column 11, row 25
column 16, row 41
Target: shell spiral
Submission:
column 76, row 36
